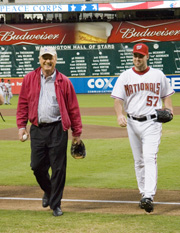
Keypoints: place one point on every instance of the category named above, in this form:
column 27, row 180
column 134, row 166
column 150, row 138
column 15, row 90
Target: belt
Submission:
column 144, row 118
column 48, row 124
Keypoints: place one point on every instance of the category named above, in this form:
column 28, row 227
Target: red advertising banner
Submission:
column 147, row 31
column 36, row 34
column 90, row 32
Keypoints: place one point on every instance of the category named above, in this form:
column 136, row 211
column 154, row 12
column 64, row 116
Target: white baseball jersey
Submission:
column 8, row 86
column 142, row 93
column 3, row 86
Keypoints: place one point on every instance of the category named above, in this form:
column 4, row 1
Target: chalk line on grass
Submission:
column 91, row 201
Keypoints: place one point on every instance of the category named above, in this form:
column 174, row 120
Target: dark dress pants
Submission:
column 49, row 150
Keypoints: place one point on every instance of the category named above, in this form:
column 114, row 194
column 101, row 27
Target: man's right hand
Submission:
column 21, row 133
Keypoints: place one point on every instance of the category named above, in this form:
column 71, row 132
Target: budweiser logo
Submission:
column 11, row 35
column 132, row 32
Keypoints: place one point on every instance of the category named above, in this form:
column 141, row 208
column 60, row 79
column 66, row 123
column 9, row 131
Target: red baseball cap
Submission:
column 141, row 48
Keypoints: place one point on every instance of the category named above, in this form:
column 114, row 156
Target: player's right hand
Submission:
column 122, row 121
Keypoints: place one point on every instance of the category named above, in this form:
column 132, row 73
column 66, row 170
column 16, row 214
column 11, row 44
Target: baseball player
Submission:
column 9, row 91
column 139, row 91
column 1, row 97
column 3, row 87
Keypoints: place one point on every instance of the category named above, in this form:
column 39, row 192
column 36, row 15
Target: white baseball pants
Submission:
column 144, row 139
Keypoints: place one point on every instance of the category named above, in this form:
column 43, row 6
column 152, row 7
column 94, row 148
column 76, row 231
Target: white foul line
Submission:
column 91, row 201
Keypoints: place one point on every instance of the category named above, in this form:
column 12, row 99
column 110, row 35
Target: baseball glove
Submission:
column 164, row 115
column 78, row 151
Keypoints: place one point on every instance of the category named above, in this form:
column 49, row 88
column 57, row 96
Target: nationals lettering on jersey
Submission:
column 142, row 93
column 134, row 88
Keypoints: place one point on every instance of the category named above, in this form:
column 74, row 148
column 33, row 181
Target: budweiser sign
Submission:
column 88, row 33
column 37, row 34
column 161, row 30
column 133, row 33
column 12, row 36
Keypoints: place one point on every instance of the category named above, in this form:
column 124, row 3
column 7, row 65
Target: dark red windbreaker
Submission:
column 27, row 108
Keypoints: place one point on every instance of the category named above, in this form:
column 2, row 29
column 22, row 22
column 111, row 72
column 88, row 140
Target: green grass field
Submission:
column 109, row 164
column 92, row 100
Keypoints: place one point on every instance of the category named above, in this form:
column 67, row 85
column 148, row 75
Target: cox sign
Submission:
column 101, row 84
column 83, row 85
column 93, row 84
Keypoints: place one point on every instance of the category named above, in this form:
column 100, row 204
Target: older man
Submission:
column 48, row 100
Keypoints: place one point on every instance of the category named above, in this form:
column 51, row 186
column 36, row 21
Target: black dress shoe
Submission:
column 57, row 211
column 45, row 200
